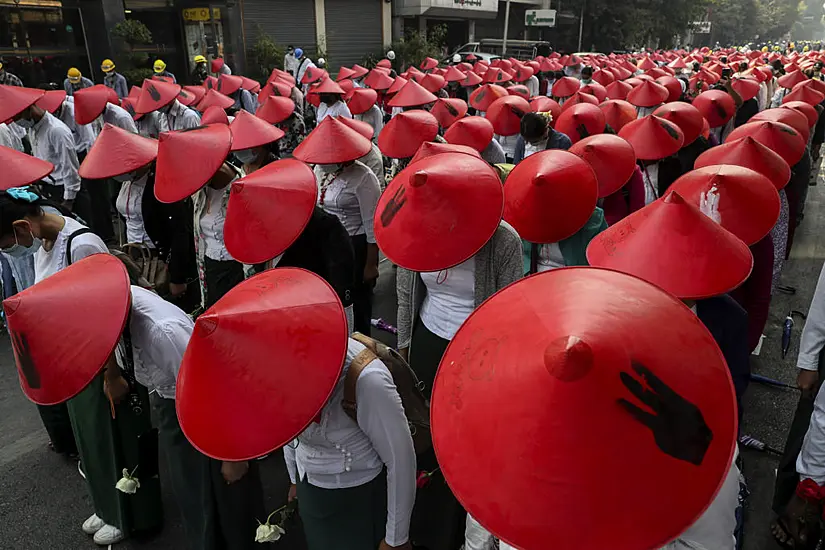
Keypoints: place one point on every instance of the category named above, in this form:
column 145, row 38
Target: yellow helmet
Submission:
column 764, row 49
column 200, row 59
column 776, row 48
column 74, row 75
column 107, row 66
column 160, row 66
column 806, row 49
column 1, row 65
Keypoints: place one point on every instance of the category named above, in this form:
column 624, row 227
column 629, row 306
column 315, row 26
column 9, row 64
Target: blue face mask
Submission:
column 17, row 250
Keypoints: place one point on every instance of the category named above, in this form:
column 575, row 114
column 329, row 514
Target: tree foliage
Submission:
column 415, row 46
column 135, row 35
column 265, row 55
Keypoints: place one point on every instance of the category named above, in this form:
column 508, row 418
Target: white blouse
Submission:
column 351, row 196
column 211, row 223
column 450, row 298
column 129, row 205
column 550, row 257
column 375, row 118
column 339, row 108
column 49, row 262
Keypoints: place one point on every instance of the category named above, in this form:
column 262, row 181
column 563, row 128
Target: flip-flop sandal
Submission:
column 807, row 522
column 781, row 524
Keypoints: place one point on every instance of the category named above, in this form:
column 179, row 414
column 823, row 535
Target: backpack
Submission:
column 416, row 406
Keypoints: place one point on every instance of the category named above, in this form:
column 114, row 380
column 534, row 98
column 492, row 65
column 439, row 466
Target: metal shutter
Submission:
column 353, row 30
column 285, row 21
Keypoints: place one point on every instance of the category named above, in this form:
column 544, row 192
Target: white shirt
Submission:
column 152, row 125
column 550, row 257
column 290, row 63
column 9, row 139
column 351, row 196
column 642, row 112
column 120, row 117
column 762, row 96
column 508, row 143
column 650, row 174
column 450, row 298
column 780, row 94
column 211, row 224
column 813, row 335
column 181, row 117
column 129, row 204
column 493, row 153
column 302, row 68
column 374, row 160
column 49, row 262
column 339, row 108
column 84, row 134
column 53, row 141
column 532, row 84
column 375, row 118
column 340, row 454
column 532, row 149
column 160, row 332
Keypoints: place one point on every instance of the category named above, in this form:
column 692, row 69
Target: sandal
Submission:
column 799, row 527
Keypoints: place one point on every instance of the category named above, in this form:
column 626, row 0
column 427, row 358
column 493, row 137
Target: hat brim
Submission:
column 177, row 177
column 20, row 169
column 117, row 151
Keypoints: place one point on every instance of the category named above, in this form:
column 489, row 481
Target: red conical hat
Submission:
column 653, row 138
column 191, row 95
column 454, row 75
column 276, row 109
column 252, row 86
column 673, row 86
column 245, row 351
column 543, row 104
column 363, row 128
column 347, row 86
column 89, row 103
column 155, row 94
column 404, row 134
column 430, row 149
column 472, row 131
column 332, row 142
column 611, row 158
column 618, row 113
column 278, row 74
column 581, row 121
column 447, row 111
column 215, row 98
column 791, row 79
column 505, row 113
column 806, row 109
column 814, row 84
column 596, row 90
column 603, row 77
column 751, row 154
column 249, row 131
column 396, row 85
column 86, row 304
column 433, row 82
column 579, row 344
column 313, row 74
column 412, row 95
column 778, row 137
column 549, row 196
column 565, row 87
column 52, row 100
column 472, row 79
column 645, row 64
column 326, row 86
column 497, row 75
column 438, row 212
column 359, row 71
column 384, row 63
column 188, row 159
column 748, row 201
column 117, row 151
column 523, row 73
column 214, row 115
column 210, row 83
column 519, row 90
column 577, row 99
column 217, row 64
column 378, row 80
column 648, row 94
column 791, row 117
column 20, row 169
column 716, row 106
column 344, row 73
column 806, row 95
column 268, row 210
column 677, row 63
column 484, row 96
column 618, row 90
column 14, row 99
column 428, row 64
column 747, row 88
column 280, row 89
column 673, row 245
column 134, row 93
column 129, row 106
column 361, row 100
column 684, row 115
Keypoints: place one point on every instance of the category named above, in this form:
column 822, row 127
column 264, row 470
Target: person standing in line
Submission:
column 114, row 79
column 75, row 81
column 161, row 97
column 290, row 61
column 199, row 74
column 159, row 69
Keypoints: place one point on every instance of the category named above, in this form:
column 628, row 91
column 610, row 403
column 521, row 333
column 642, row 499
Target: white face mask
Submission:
column 246, row 156
column 24, row 123
column 17, row 250
column 329, row 168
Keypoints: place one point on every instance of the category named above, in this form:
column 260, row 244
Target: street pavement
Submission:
column 43, row 500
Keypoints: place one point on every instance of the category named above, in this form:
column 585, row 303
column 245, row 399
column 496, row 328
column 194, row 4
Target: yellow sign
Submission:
column 201, row 14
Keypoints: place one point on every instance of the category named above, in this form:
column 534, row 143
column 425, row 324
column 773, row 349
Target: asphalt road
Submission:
column 43, row 500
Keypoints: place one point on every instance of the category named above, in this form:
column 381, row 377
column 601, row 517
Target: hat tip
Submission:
column 419, row 178
column 674, row 198
column 568, row 358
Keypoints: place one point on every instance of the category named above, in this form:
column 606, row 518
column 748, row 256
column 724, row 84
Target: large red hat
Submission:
column 268, row 210
column 214, row 115
column 577, row 99
column 581, row 121
column 791, row 79
column 155, row 94
column 313, row 74
column 648, row 94
column 215, row 98
column 748, row 201
column 472, row 79
column 249, row 131
column 618, row 90
column 378, row 80
column 519, row 90
column 397, row 84
column 447, row 111
column 505, row 113
column 261, row 364
column 685, row 116
column 428, row 64
column 749, row 153
column 117, row 151
column 90, row 102
column 276, row 88
column 673, row 245
column 565, row 86
column 453, row 74
column 228, row 84
column 717, row 106
column 780, row 138
column 497, row 75
column 673, row 85
column 596, row 90
column 793, row 118
column 193, row 94
column 386, row 63
column 14, row 99
column 188, row 159
column 611, row 158
column 65, row 328
column 653, row 138
column 439, row 212
column 806, row 109
column 250, row 85
column 332, row 142
column 583, row 343
column 275, row 109
column 473, row 131
column 20, row 169
column 404, row 134
column 747, row 88
column 549, row 196
column 361, row 100
column 646, row 64
column 210, row 82
column 363, row 128
column 326, row 86
column 543, row 104
column 412, row 95
column 484, row 96
column 603, row 77
column 433, row 82
column 52, row 100
column 806, row 95
column 358, row 71
column 618, row 113
column 344, row 73
column 431, row 148
column 217, row 64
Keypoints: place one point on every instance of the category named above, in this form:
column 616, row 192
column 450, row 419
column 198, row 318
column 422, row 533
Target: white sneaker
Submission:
column 108, row 534
column 93, row 525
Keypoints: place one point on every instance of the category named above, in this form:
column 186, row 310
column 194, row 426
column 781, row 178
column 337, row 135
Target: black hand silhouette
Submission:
column 678, row 426
column 24, row 359
column 393, row 206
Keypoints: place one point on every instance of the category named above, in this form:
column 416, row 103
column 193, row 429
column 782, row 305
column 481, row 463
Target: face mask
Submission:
column 246, row 156
column 25, row 123
column 17, row 250
column 329, row 168
column 129, row 176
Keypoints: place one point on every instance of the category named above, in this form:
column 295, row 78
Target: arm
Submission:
column 813, row 335
column 368, row 192
column 404, row 284
column 87, row 244
column 733, row 93
column 811, row 461
column 66, row 158
column 508, row 256
column 289, row 459
column 381, row 418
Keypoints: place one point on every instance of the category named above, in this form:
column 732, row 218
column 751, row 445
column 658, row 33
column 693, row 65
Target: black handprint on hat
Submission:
column 678, row 426
column 24, row 359
column 395, row 204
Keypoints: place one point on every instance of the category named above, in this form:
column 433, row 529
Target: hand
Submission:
column 370, row 273
column 678, row 426
column 234, row 471
column 405, row 354
column 115, row 387
column 807, row 381
column 293, row 493
column 176, row 289
column 385, row 546
column 68, row 205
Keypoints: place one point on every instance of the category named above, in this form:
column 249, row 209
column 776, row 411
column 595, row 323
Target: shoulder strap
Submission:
column 350, row 403
column 81, row 231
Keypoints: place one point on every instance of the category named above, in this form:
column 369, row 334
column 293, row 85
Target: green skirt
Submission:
column 106, row 447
